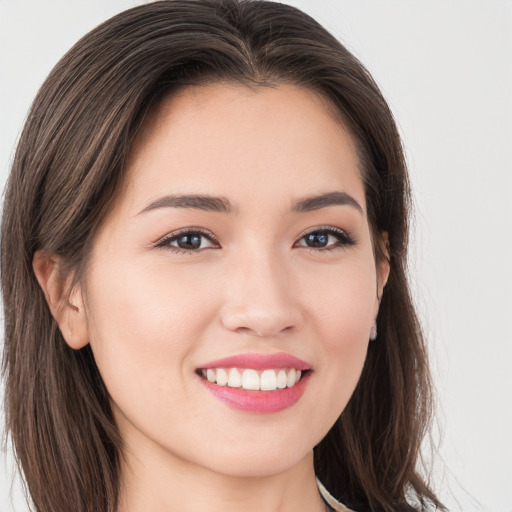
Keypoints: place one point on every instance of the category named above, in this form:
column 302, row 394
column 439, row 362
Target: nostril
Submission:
column 263, row 320
column 261, row 333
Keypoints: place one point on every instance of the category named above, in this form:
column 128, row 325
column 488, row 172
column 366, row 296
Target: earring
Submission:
column 373, row 332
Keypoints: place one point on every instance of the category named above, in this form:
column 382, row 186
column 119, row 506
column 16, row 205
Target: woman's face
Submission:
column 240, row 232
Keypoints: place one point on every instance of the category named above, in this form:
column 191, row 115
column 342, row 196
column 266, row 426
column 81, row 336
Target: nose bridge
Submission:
column 259, row 294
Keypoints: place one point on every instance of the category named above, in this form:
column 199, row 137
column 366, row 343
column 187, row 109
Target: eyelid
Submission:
column 163, row 241
column 326, row 227
column 345, row 239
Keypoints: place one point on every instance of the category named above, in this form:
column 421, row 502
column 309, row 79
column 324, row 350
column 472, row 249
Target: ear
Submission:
column 383, row 267
column 67, row 308
column 382, row 270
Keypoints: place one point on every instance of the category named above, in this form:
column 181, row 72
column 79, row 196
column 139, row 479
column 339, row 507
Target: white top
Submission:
column 330, row 500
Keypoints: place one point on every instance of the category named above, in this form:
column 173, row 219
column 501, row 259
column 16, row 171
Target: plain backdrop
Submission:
column 445, row 66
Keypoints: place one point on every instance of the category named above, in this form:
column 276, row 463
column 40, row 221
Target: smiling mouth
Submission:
column 253, row 380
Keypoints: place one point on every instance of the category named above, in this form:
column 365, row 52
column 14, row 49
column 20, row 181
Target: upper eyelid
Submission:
column 184, row 231
column 345, row 238
column 332, row 229
column 213, row 238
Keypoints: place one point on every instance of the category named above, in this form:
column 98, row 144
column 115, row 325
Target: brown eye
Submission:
column 327, row 239
column 188, row 241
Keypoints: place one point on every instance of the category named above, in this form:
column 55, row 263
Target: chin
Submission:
column 264, row 456
column 260, row 465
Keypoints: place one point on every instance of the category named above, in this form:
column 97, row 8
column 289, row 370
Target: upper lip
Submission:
column 259, row 362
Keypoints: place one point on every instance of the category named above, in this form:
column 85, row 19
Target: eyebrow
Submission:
column 324, row 200
column 223, row 205
column 197, row 202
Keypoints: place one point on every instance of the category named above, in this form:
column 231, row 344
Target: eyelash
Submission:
column 344, row 240
column 165, row 242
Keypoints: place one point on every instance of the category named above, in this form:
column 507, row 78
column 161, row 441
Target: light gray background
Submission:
column 445, row 67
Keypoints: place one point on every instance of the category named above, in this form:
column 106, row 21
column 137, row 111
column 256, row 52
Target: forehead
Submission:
column 223, row 139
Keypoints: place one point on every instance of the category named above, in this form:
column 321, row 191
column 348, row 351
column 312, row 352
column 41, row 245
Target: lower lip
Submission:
column 258, row 401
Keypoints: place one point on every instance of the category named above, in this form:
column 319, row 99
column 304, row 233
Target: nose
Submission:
column 260, row 298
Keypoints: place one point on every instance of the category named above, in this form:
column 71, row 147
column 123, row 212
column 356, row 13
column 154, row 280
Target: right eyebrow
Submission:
column 198, row 202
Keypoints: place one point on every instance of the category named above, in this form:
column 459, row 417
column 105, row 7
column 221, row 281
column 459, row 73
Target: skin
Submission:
column 153, row 316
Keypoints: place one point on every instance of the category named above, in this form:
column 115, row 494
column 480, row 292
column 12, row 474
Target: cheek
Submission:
column 342, row 314
column 346, row 337
column 342, row 301
column 143, row 323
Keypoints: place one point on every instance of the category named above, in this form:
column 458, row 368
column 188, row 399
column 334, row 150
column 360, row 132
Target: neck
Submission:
column 185, row 487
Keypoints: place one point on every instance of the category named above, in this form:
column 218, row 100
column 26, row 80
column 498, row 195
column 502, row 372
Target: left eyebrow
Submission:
column 324, row 200
column 196, row 202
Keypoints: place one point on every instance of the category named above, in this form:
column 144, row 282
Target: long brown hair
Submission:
column 66, row 171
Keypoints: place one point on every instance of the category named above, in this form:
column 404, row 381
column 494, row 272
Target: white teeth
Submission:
column 281, row 379
column 235, row 379
column 290, row 380
column 250, row 379
column 268, row 380
column 221, row 377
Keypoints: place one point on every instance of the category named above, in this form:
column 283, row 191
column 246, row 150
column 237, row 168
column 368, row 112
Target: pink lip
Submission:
column 259, row 401
column 260, row 362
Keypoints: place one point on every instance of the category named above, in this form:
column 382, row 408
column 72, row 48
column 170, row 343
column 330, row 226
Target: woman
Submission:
column 203, row 268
